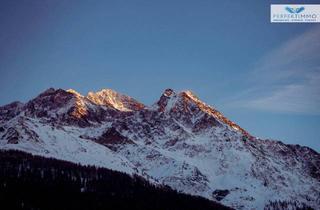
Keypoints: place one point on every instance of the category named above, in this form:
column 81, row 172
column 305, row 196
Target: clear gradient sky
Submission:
column 263, row 76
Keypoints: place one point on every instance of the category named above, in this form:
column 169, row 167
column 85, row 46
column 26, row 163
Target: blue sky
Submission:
column 263, row 76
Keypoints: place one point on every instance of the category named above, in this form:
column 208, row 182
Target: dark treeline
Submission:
column 285, row 205
column 34, row 182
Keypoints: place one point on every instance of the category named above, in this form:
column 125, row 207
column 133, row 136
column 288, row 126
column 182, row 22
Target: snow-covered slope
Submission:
column 179, row 141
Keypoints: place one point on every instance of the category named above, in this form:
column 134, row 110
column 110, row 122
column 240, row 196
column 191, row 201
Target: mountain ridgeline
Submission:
column 179, row 142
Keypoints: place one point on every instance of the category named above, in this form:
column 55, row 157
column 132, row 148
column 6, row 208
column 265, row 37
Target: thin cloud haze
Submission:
column 288, row 78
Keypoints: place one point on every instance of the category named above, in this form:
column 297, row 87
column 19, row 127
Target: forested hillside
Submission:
column 34, row 182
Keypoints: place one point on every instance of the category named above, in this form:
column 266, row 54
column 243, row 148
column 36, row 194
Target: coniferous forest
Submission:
column 34, row 182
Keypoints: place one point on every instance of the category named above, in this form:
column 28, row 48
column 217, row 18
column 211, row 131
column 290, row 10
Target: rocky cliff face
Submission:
column 179, row 141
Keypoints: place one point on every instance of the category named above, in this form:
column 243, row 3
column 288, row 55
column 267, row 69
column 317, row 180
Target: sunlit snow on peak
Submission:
column 111, row 98
column 73, row 92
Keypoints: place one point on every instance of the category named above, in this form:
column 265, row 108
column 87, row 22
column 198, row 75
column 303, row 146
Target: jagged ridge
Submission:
column 179, row 141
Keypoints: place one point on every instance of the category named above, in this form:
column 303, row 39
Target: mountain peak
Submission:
column 52, row 92
column 74, row 92
column 111, row 98
column 170, row 97
column 49, row 90
column 189, row 94
column 165, row 100
column 106, row 91
column 188, row 105
column 168, row 92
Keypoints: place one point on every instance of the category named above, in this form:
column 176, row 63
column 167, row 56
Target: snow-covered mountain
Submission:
column 179, row 141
